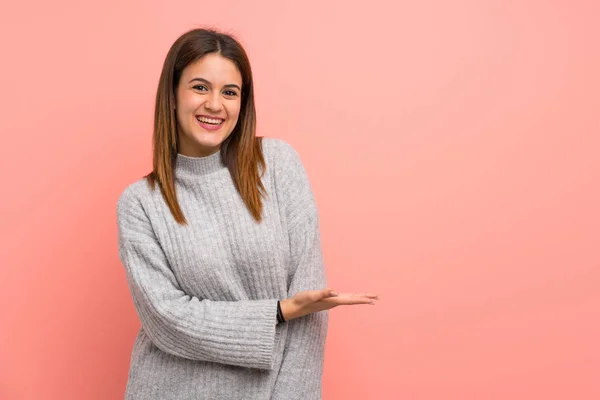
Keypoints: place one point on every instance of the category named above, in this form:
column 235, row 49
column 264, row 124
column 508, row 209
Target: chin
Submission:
column 209, row 141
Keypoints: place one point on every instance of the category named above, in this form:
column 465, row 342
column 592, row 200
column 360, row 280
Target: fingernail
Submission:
column 372, row 303
column 333, row 293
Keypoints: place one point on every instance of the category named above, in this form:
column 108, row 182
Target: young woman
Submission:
column 221, row 244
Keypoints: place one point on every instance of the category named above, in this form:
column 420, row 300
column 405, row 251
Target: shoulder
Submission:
column 132, row 197
column 281, row 155
column 290, row 176
column 275, row 147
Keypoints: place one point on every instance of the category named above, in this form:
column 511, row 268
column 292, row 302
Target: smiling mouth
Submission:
column 210, row 121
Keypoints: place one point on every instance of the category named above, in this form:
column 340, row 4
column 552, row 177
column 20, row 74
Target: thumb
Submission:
column 325, row 293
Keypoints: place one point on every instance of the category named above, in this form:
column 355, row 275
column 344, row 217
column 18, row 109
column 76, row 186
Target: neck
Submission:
column 188, row 165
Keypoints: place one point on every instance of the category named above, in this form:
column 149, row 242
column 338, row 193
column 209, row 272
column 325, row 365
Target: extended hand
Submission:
column 310, row 301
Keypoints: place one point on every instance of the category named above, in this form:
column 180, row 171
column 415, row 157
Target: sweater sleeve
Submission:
column 240, row 333
column 300, row 376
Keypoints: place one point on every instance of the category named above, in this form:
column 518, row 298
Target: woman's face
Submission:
column 208, row 104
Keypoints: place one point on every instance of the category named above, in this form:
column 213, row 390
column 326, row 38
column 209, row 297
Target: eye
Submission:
column 200, row 87
column 230, row 93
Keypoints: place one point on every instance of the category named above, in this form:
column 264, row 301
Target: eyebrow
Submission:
column 230, row 85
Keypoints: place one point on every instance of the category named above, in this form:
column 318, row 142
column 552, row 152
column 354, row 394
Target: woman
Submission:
column 221, row 243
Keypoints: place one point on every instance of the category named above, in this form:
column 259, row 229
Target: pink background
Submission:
column 452, row 147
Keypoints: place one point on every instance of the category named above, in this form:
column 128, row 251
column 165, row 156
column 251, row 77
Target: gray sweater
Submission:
column 206, row 293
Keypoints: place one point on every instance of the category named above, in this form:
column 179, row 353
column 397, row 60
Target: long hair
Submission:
column 241, row 152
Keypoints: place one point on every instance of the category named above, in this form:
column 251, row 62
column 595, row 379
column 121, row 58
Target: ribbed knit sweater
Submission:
column 206, row 292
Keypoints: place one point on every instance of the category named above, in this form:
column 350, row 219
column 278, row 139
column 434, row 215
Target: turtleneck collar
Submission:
column 199, row 165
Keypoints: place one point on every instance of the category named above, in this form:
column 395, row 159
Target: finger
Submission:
column 349, row 300
column 369, row 295
column 359, row 295
column 325, row 293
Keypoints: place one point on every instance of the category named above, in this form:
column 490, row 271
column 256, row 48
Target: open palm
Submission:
column 310, row 301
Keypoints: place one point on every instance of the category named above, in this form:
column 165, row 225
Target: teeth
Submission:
column 209, row 120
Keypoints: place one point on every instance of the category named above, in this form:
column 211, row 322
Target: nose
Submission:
column 213, row 102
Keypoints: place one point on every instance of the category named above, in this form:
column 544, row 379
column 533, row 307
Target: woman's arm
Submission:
column 301, row 371
column 240, row 333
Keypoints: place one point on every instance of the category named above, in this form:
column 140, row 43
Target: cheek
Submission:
column 234, row 112
column 188, row 102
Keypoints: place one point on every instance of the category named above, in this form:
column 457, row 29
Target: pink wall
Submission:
column 453, row 149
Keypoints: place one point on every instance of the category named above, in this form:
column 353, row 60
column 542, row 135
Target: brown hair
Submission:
column 241, row 152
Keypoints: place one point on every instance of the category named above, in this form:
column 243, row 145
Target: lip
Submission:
column 209, row 116
column 209, row 127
